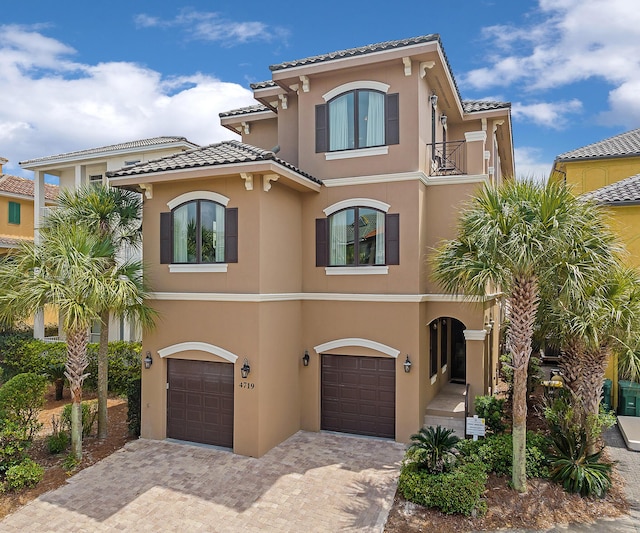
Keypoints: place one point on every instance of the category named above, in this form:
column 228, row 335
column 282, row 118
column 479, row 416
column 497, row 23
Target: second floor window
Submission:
column 199, row 232
column 356, row 120
column 356, row 237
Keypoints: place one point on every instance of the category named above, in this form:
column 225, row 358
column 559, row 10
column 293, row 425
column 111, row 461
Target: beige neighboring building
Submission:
column 290, row 267
column 76, row 169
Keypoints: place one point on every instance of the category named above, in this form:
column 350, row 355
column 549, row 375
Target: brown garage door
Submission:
column 200, row 402
column 359, row 395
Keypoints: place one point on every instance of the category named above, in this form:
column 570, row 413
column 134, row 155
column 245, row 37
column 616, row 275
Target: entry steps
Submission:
column 447, row 409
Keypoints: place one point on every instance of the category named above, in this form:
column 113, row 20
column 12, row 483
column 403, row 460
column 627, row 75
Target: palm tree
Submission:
column 109, row 213
column 518, row 237
column 71, row 269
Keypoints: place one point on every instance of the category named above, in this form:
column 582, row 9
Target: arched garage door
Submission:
column 359, row 395
column 200, row 402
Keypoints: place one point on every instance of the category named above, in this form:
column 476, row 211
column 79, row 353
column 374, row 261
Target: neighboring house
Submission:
column 291, row 268
column 75, row 169
column 608, row 170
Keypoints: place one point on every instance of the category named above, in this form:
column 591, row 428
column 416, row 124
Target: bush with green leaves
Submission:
column 134, row 406
column 431, row 449
column 124, row 365
column 491, row 409
column 23, row 355
column 495, row 452
column 22, row 399
column 89, row 415
column 25, row 474
column 457, row 492
column 14, row 442
column 57, row 442
column 574, row 469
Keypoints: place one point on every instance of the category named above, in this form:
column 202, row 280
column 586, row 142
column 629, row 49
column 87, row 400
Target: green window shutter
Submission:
column 14, row 213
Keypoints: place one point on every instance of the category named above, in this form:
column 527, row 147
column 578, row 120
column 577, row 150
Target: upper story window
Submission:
column 357, row 116
column 14, row 213
column 357, row 233
column 199, row 229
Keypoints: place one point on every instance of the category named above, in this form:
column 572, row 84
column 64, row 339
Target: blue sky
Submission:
column 76, row 75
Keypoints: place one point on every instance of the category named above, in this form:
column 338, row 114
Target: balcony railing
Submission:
column 448, row 158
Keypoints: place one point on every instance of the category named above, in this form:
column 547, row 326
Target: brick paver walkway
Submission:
column 311, row 482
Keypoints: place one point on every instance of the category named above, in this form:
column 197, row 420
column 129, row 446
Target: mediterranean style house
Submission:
column 291, row 266
column 608, row 171
column 76, row 169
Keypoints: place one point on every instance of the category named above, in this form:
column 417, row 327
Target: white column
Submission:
column 80, row 174
column 38, row 203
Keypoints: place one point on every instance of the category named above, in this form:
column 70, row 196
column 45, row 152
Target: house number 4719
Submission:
column 247, row 385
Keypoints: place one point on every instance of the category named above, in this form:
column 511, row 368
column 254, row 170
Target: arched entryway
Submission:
column 447, row 348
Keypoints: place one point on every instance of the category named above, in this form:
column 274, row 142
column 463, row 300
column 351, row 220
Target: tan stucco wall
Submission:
column 25, row 228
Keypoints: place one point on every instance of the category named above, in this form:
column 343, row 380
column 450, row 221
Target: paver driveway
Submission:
column 311, row 482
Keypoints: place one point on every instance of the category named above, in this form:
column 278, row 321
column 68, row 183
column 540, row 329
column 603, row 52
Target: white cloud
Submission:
column 210, row 26
column 529, row 165
column 549, row 114
column 570, row 41
column 50, row 104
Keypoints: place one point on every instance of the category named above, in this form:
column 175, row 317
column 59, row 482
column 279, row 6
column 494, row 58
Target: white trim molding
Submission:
column 356, row 271
column 198, row 347
column 458, row 180
column 357, row 202
column 471, row 136
column 379, row 178
column 352, row 85
column 361, row 152
column 197, row 267
column 474, row 334
column 362, row 343
column 198, row 195
column 313, row 297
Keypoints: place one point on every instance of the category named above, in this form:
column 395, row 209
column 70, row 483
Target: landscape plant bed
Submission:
column 93, row 449
column 544, row 505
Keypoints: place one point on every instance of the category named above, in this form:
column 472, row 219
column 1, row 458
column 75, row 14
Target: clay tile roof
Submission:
column 625, row 144
column 626, row 191
column 263, row 85
column 10, row 241
column 26, row 187
column 352, row 52
column 257, row 108
column 471, row 106
column 223, row 153
column 142, row 143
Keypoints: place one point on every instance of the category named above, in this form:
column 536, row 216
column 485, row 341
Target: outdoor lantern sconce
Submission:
column 443, row 120
column 434, row 100
column 244, row 371
column 148, row 360
column 305, row 358
column 407, row 365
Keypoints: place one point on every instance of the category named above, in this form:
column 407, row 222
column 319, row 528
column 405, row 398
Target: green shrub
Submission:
column 491, row 409
column 28, row 473
column 134, row 406
column 70, row 462
column 576, row 471
column 22, row 354
column 124, row 365
column 459, row 491
column 89, row 415
column 57, row 442
column 496, row 454
column 22, row 399
column 14, row 442
column 431, row 449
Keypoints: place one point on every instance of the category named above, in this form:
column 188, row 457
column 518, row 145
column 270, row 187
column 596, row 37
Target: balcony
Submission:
column 447, row 158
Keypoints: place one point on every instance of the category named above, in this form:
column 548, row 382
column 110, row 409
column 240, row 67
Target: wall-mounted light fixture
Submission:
column 148, row 360
column 443, row 120
column 305, row 358
column 407, row 365
column 245, row 369
column 434, row 100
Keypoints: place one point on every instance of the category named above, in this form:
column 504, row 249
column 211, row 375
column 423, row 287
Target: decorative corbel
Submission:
column 266, row 181
column 248, row 180
column 283, row 99
column 246, row 128
column 484, row 124
column 497, row 123
column 424, row 66
column 294, row 87
column 148, row 190
column 407, row 65
column 305, row 83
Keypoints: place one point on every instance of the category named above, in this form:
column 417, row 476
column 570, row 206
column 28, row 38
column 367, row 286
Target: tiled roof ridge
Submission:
column 483, row 105
column 25, row 186
column 624, row 191
column 244, row 110
column 604, row 145
column 151, row 141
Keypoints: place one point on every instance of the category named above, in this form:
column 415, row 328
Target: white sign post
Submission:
column 475, row 426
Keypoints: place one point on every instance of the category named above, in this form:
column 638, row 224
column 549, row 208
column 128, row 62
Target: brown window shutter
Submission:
column 322, row 134
column 393, row 119
column 231, row 235
column 392, row 239
column 322, row 242
column 166, row 242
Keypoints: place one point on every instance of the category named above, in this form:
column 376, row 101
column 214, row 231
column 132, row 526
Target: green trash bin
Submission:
column 606, row 395
column 628, row 398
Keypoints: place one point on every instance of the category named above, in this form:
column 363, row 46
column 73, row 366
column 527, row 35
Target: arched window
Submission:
column 198, row 232
column 356, row 237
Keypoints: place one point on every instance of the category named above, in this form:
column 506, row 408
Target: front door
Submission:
column 458, row 352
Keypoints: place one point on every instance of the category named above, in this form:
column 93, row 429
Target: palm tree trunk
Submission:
column 594, row 366
column 103, row 375
column 524, row 305
column 75, row 366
